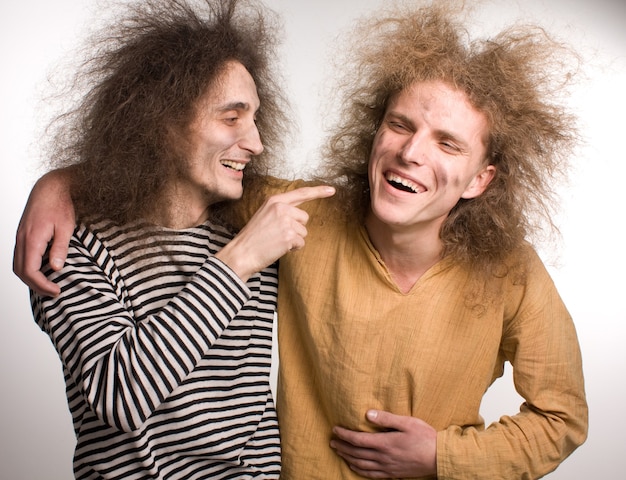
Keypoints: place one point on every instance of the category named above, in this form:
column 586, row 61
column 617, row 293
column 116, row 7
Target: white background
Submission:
column 36, row 437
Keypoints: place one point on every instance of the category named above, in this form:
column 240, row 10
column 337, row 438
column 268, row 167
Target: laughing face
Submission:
column 224, row 138
column 428, row 153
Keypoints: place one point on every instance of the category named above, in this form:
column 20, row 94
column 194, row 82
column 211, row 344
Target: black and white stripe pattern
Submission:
column 166, row 355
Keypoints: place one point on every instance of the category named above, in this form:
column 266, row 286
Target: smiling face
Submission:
column 223, row 139
column 428, row 153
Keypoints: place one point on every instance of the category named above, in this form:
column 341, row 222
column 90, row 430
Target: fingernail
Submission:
column 56, row 262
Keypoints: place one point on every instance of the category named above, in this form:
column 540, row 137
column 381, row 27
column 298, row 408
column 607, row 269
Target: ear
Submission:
column 479, row 182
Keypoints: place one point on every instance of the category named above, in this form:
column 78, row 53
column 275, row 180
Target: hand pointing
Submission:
column 278, row 227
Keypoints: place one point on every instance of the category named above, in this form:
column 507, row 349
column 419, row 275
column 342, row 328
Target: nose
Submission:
column 412, row 150
column 251, row 140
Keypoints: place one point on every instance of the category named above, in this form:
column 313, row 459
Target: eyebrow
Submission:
column 234, row 106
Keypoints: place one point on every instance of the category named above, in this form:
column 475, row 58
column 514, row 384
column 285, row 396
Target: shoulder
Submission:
column 261, row 189
column 529, row 286
column 524, row 263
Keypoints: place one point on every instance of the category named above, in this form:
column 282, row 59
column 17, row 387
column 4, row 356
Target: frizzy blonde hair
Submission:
column 513, row 78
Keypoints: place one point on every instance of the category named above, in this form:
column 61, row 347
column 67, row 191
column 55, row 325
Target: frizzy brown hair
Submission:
column 146, row 73
column 512, row 78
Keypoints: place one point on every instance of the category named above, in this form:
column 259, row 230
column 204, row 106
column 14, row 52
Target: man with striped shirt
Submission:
column 164, row 321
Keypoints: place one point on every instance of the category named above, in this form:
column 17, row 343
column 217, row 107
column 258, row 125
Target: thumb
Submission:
column 385, row 420
column 59, row 248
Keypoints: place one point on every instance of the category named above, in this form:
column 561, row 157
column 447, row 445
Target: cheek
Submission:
column 373, row 162
column 443, row 177
column 452, row 178
column 380, row 151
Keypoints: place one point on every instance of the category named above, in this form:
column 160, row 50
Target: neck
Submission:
column 407, row 252
column 178, row 211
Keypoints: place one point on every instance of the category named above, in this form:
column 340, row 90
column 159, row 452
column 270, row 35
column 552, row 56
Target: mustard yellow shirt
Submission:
column 349, row 341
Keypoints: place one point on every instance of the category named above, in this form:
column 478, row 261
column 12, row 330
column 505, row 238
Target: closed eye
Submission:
column 451, row 144
column 397, row 126
column 451, row 147
column 398, row 122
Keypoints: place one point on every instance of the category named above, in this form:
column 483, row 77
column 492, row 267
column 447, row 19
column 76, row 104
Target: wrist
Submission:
column 228, row 256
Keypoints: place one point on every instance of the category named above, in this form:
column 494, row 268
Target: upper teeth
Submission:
column 403, row 181
column 234, row 165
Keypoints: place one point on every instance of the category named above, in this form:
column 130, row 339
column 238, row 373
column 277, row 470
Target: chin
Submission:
column 388, row 215
column 224, row 196
column 235, row 193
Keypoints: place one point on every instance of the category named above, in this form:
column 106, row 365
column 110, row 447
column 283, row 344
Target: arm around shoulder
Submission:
column 48, row 219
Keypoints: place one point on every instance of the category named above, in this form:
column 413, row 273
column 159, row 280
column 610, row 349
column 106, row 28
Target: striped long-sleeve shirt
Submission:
column 166, row 355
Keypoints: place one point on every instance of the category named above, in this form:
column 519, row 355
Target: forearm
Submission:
column 118, row 360
column 528, row 445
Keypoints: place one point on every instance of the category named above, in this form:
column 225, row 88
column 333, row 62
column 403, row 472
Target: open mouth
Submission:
column 402, row 184
column 237, row 166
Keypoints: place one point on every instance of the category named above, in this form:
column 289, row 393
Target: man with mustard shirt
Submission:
column 418, row 282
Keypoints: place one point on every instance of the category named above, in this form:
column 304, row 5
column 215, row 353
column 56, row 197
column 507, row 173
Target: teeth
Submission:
column 234, row 165
column 402, row 181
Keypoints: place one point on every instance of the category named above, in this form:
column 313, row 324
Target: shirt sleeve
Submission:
column 541, row 344
column 126, row 368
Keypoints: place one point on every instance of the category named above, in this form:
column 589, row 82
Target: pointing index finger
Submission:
column 305, row 194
